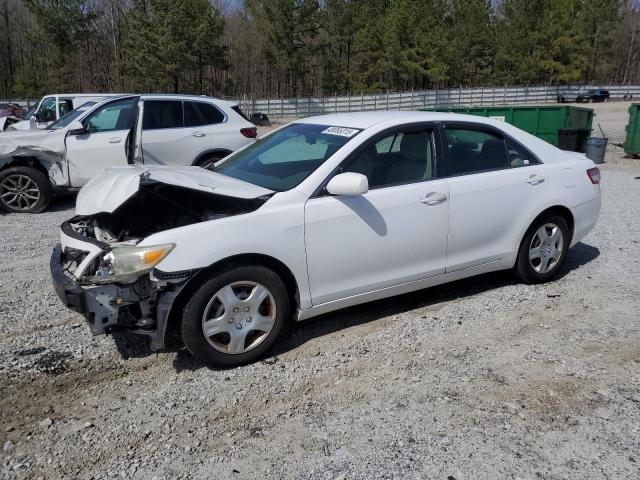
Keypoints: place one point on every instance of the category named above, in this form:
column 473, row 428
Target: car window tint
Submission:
column 518, row 156
column 192, row 117
column 470, row 151
column 236, row 109
column 210, row 113
column 162, row 114
column 404, row 157
column 64, row 107
column 389, row 144
column 118, row 115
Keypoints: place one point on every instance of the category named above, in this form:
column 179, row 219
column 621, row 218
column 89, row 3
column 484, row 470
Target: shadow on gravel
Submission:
column 130, row 346
column 66, row 201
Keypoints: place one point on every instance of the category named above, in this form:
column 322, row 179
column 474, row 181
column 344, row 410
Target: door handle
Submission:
column 434, row 198
column 198, row 134
column 535, row 179
column 115, row 140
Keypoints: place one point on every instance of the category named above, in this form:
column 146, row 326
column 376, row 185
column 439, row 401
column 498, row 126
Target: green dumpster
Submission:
column 543, row 121
column 632, row 142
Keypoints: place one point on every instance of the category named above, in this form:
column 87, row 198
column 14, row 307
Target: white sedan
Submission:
column 321, row 214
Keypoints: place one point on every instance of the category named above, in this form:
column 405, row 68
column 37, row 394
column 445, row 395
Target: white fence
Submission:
column 278, row 108
column 304, row 107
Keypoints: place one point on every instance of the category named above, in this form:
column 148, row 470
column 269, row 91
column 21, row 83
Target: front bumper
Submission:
column 140, row 308
column 109, row 307
column 71, row 294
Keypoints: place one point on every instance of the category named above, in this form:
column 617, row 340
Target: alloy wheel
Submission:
column 239, row 317
column 20, row 192
column 546, row 248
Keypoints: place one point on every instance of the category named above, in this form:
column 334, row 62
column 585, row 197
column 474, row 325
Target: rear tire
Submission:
column 243, row 310
column 24, row 190
column 210, row 160
column 543, row 250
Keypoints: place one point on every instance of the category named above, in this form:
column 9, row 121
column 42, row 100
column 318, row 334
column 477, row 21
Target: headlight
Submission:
column 126, row 263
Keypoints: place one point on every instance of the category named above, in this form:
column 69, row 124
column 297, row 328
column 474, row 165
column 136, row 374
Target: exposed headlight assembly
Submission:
column 126, row 263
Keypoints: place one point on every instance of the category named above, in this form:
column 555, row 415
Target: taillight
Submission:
column 594, row 175
column 251, row 132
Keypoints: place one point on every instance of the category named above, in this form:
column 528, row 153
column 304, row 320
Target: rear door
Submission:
column 173, row 132
column 223, row 134
column 103, row 143
column 495, row 185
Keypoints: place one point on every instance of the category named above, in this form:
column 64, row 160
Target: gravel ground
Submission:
column 482, row 378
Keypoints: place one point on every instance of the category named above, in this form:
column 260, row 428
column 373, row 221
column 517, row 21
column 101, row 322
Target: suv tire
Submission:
column 24, row 190
column 209, row 160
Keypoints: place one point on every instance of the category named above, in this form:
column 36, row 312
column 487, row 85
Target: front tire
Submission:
column 543, row 250
column 236, row 316
column 24, row 190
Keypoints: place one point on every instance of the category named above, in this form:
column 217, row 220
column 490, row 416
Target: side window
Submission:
column 404, row 157
column 210, row 113
column 64, row 107
column 192, row 117
column 518, row 156
column 162, row 114
column 470, row 151
column 118, row 115
column 47, row 110
column 389, row 144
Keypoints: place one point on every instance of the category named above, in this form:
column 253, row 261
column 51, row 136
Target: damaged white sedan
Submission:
column 322, row 214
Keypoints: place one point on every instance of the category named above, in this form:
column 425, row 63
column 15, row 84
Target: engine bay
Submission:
column 157, row 207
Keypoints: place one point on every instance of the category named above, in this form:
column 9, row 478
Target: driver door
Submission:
column 394, row 234
column 104, row 142
column 46, row 112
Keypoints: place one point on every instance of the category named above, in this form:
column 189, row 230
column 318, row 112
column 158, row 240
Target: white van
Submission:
column 51, row 107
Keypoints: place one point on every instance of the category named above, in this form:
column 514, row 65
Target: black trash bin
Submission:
column 572, row 139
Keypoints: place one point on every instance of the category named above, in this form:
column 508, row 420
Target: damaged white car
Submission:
column 322, row 214
column 138, row 129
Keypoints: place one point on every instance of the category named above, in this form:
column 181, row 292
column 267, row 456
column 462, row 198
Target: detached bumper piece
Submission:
column 71, row 294
column 107, row 308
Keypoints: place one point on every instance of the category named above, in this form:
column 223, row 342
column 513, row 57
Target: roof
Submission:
column 365, row 120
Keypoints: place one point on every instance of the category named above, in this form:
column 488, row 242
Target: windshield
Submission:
column 285, row 158
column 70, row 117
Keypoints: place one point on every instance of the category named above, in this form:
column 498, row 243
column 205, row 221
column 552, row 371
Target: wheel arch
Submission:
column 247, row 259
column 560, row 210
column 24, row 161
column 222, row 152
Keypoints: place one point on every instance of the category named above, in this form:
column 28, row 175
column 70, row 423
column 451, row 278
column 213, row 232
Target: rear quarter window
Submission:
column 210, row 113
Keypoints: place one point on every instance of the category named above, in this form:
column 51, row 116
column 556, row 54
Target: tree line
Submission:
column 280, row 48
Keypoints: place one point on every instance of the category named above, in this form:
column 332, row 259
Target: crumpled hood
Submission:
column 22, row 142
column 115, row 185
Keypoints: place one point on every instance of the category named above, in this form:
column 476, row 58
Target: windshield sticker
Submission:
column 341, row 131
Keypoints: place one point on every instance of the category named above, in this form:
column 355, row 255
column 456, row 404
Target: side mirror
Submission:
column 348, row 183
column 76, row 128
